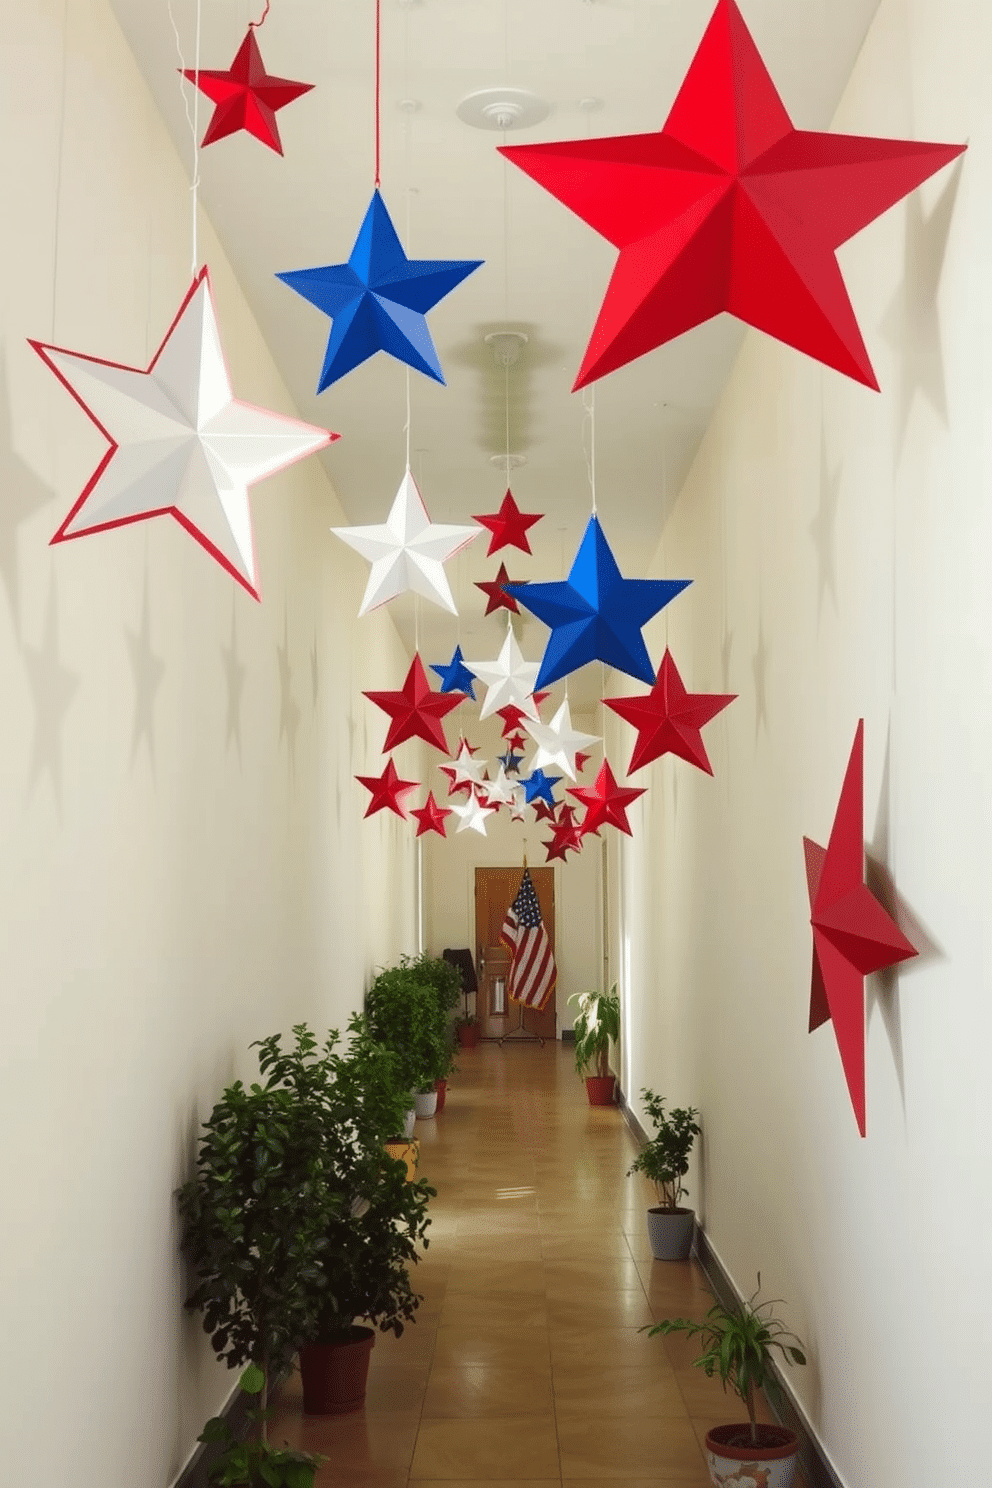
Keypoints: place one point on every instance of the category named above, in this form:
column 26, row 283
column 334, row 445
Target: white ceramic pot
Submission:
column 425, row 1104
column 769, row 1465
column 670, row 1235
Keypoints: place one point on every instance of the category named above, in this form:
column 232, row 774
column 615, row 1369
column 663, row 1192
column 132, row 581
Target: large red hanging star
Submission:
column 605, row 802
column 852, row 933
column 729, row 208
column 416, row 711
column 387, row 790
column 430, row 816
column 246, row 96
column 668, row 719
column 508, row 526
column 496, row 596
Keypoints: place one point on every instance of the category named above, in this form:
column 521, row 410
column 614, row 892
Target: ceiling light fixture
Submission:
column 502, row 108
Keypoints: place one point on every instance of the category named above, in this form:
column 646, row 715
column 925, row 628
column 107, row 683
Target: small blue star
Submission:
column 378, row 300
column 539, row 785
column 455, row 677
column 510, row 761
column 596, row 614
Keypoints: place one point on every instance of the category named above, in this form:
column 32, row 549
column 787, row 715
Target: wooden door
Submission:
column 495, row 891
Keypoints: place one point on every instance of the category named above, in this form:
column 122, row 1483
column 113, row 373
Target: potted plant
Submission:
column 737, row 1345
column 665, row 1161
column 596, row 1023
column 255, row 1221
column 254, row 1463
column 467, row 1028
column 360, row 1276
column 446, row 983
column 402, row 1012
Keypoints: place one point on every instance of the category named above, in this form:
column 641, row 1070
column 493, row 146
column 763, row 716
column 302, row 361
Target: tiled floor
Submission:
column 526, row 1366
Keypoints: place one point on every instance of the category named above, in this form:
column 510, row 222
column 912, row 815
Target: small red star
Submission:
column 430, row 816
column 566, row 834
column 512, row 715
column 455, row 787
column 416, row 711
column 387, row 790
column 668, row 719
column 581, row 760
column 508, row 526
column 852, row 933
column 497, row 597
column 517, row 742
column 543, row 810
column 729, row 207
column 605, row 802
column 246, row 96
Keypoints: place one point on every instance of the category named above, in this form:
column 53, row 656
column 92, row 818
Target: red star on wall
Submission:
column 668, row 719
column 508, row 527
column 387, row 790
column 729, row 208
column 497, row 597
column 852, row 933
column 247, row 97
column 416, row 711
column 430, row 816
column 605, row 802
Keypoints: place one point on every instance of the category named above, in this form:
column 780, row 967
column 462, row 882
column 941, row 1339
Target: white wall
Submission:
column 880, row 1245
column 170, row 889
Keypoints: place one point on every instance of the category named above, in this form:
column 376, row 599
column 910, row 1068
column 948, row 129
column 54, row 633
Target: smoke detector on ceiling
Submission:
column 502, row 108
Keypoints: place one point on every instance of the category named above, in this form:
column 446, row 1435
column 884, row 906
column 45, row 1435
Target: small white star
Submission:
column 557, row 742
column 472, row 815
column 408, row 551
column 508, row 680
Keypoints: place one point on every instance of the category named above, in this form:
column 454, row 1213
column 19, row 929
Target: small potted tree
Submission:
column 596, row 1023
column 254, row 1463
column 737, row 1345
column 402, row 1012
column 665, row 1161
column 445, row 982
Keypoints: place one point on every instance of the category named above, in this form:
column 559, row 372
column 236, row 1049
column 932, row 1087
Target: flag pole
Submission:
column 521, row 1034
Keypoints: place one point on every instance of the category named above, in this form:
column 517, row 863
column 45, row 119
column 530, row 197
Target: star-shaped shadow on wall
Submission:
column 823, row 528
column 759, row 668
column 235, row 673
column 289, row 708
column 148, row 670
column 22, row 495
column 911, row 324
column 53, row 688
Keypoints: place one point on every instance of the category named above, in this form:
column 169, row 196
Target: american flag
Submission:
column 532, row 969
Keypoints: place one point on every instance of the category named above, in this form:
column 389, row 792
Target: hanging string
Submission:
column 590, row 454
column 664, row 519
column 58, row 165
column 406, row 426
column 378, row 69
column 192, row 119
column 506, row 391
column 254, row 25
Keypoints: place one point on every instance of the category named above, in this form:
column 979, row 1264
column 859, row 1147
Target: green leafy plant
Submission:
column 737, row 1345
column 445, row 982
column 254, row 1463
column 256, row 1216
column 402, row 1011
column 596, row 1023
column 665, row 1159
column 379, row 1217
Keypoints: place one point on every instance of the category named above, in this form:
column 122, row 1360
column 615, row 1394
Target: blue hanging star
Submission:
column 456, row 677
column 510, row 762
column 596, row 614
column 540, row 785
column 378, row 299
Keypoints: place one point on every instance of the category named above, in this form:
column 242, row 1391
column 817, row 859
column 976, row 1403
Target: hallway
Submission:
column 526, row 1365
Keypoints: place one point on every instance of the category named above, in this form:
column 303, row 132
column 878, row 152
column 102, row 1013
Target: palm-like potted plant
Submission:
column 737, row 1345
column 665, row 1161
column 596, row 1023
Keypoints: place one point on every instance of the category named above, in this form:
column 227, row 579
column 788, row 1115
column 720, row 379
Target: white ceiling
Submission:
column 452, row 196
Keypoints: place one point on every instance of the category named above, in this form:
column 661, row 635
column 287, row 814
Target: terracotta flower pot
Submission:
column 442, row 1093
column 771, row 1464
column 408, row 1152
column 335, row 1374
column 468, row 1035
column 601, row 1089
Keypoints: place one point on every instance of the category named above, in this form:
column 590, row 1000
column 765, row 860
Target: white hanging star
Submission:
column 180, row 443
column 518, row 804
column 464, row 768
column 508, row 679
column 557, row 742
column 473, row 814
column 499, row 791
column 408, row 551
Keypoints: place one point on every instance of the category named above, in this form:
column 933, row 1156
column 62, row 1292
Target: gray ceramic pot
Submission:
column 670, row 1233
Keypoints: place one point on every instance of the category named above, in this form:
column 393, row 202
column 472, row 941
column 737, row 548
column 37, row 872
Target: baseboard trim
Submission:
column 817, row 1469
column 237, row 1414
